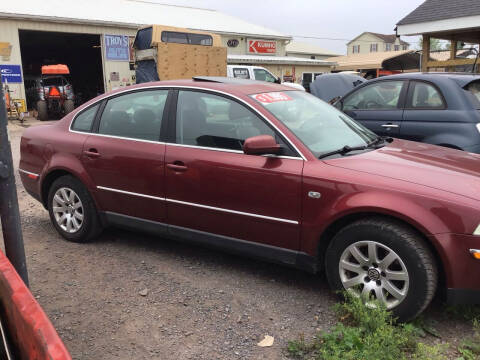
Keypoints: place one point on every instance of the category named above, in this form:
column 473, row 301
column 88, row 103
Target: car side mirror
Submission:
column 261, row 145
column 278, row 80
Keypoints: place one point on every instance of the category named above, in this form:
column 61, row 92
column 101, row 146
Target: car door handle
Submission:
column 390, row 125
column 92, row 153
column 177, row 166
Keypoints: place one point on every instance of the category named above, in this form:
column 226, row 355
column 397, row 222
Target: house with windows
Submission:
column 369, row 42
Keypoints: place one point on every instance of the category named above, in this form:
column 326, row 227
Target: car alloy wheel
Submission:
column 375, row 272
column 68, row 210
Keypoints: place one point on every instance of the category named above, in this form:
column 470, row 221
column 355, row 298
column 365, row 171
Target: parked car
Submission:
column 266, row 171
column 258, row 73
column 434, row 108
column 331, row 87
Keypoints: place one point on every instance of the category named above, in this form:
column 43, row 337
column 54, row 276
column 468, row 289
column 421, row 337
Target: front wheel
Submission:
column 72, row 210
column 383, row 261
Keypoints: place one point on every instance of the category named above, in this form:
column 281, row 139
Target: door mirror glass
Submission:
column 261, row 145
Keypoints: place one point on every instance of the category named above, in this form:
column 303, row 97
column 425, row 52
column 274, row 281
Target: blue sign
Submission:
column 117, row 48
column 11, row 73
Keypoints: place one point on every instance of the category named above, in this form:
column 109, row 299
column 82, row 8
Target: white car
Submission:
column 257, row 73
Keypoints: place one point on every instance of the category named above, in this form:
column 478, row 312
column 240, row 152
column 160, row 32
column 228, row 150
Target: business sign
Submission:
column 117, row 48
column 11, row 73
column 232, row 43
column 262, row 46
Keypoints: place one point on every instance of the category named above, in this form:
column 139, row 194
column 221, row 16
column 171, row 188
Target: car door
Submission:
column 378, row 106
column 214, row 188
column 426, row 116
column 125, row 158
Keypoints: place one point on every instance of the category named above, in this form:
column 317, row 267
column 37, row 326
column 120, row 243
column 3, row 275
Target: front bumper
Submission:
column 460, row 269
column 462, row 296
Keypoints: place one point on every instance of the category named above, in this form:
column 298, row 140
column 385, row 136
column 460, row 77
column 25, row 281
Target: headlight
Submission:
column 477, row 230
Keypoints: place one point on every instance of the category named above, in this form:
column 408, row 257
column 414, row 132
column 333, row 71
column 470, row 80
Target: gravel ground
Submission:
column 130, row 295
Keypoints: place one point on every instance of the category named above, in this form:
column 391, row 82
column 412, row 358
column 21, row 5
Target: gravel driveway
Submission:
column 133, row 296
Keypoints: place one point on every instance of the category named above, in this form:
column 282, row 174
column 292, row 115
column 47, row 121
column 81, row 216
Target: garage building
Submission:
column 93, row 39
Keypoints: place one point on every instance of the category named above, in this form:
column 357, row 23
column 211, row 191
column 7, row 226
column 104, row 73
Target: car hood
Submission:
column 455, row 171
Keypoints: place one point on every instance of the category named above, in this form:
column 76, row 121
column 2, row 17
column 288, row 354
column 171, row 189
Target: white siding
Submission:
column 9, row 33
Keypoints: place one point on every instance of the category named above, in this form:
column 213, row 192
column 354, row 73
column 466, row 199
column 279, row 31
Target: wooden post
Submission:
column 425, row 52
column 453, row 53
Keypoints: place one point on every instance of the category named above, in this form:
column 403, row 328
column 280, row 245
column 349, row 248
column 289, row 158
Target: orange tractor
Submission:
column 55, row 92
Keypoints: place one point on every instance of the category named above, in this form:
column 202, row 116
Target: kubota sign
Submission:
column 262, row 46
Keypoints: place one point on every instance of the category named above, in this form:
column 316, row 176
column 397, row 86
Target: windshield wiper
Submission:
column 379, row 140
column 343, row 150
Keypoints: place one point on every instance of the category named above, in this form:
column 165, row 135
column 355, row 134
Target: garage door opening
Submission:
column 80, row 52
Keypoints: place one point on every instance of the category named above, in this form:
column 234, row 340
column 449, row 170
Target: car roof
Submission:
column 225, row 84
column 461, row 79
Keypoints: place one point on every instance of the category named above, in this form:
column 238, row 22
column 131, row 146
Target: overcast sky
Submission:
column 339, row 19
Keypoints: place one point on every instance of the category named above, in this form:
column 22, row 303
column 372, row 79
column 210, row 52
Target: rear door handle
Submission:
column 177, row 166
column 92, row 153
column 390, row 126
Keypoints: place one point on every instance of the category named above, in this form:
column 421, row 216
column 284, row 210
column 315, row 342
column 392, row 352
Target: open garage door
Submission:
column 80, row 52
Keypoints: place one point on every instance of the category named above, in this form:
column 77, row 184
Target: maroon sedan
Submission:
column 267, row 171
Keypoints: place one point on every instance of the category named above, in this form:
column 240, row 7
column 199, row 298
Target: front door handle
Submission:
column 177, row 166
column 92, row 153
column 389, row 126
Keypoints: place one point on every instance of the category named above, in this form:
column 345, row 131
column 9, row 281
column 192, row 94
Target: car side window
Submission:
column 84, row 120
column 214, row 121
column 241, row 73
column 263, row 75
column 383, row 95
column 137, row 115
column 424, row 96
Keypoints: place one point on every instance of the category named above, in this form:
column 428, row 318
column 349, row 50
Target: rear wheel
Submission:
column 385, row 261
column 42, row 110
column 68, row 106
column 72, row 211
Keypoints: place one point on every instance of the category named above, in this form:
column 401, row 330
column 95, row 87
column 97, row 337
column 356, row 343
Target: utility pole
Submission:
column 9, row 212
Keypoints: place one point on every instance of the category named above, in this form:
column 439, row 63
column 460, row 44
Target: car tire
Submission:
column 42, row 110
column 72, row 210
column 402, row 274
column 68, row 106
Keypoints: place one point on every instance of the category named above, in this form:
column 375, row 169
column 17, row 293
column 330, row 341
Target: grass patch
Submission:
column 367, row 334
column 470, row 348
column 466, row 312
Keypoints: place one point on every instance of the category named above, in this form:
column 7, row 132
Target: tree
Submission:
column 435, row 44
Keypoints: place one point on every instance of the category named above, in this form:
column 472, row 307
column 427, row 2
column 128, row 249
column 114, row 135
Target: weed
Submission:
column 368, row 334
column 470, row 348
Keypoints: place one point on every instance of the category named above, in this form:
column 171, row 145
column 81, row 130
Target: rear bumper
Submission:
column 463, row 297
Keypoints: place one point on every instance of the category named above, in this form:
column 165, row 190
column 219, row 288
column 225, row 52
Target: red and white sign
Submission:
column 262, row 47
column 271, row 97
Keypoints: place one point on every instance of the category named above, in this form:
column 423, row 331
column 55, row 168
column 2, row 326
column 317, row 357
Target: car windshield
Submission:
column 320, row 126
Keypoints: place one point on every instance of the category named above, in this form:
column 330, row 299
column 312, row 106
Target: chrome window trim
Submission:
column 28, row 172
column 181, row 87
column 199, row 205
column 118, row 137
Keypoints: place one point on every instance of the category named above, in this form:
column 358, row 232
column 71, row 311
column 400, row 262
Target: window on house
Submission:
column 388, row 47
column 405, row 47
column 373, row 47
column 397, row 47
column 356, row 49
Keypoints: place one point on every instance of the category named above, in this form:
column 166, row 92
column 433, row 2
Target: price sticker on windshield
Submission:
column 272, row 97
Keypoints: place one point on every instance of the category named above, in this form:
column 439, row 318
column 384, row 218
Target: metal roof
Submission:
column 371, row 60
column 288, row 60
column 432, row 10
column 132, row 14
column 307, row 48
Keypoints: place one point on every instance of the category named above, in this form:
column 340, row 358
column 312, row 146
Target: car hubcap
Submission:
column 375, row 272
column 68, row 210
